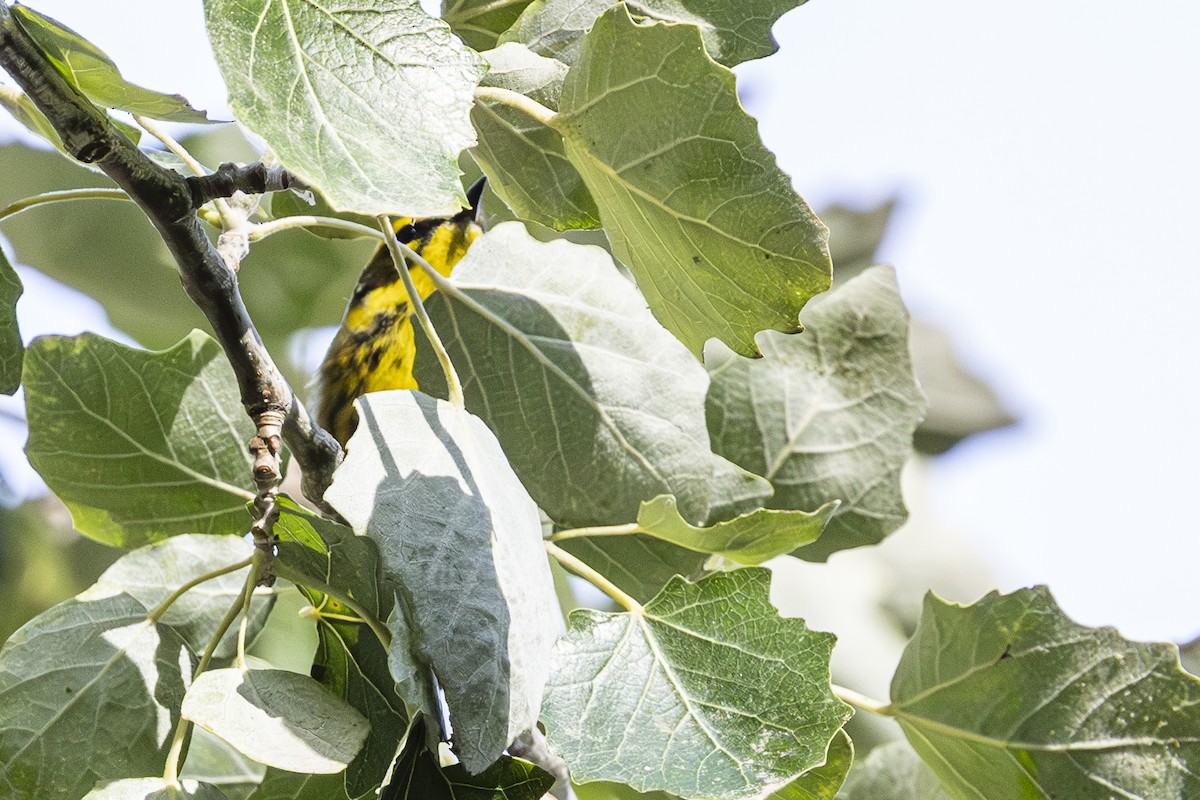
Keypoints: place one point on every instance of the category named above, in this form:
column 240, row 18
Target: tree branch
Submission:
column 251, row 179
column 168, row 200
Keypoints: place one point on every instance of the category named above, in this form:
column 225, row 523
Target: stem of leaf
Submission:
column 610, row 530
column 377, row 627
column 162, row 607
column 528, row 105
column 44, row 198
column 265, row 229
column 171, row 771
column 861, row 701
column 399, row 253
column 593, row 577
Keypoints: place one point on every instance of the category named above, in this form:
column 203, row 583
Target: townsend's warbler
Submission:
column 374, row 348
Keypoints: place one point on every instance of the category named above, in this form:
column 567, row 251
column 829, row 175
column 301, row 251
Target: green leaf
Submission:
column 89, row 691
column 480, row 22
column 617, row 416
column 281, row 785
column 658, row 698
column 823, row 782
column 349, row 661
column 213, row 761
column 1007, row 698
column 524, row 158
column 25, row 112
column 418, row 776
column 751, row 538
column 141, row 445
column 151, row 573
column 12, row 350
column 93, row 73
column 732, row 32
column 828, row 414
column 368, row 100
column 461, row 542
column 694, row 205
column 278, row 718
column 155, row 789
column 639, row 565
column 892, row 772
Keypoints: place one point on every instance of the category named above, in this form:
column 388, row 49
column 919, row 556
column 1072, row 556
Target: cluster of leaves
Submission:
column 628, row 414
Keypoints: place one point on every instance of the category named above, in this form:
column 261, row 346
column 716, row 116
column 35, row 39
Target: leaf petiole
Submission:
column 162, row 607
column 580, row 568
column 377, row 627
column 63, row 195
column 861, row 701
column 400, row 254
column 171, row 770
column 516, row 100
column 606, row 530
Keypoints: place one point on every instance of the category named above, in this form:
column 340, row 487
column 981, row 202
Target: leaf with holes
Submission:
column 657, row 698
column 368, row 100
column 1009, row 699
column 828, row 414
column 141, row 445
column 694, row 205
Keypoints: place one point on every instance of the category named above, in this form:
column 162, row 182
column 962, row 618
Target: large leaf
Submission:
column 823, row 782
column 827, row 414
column 418, row 776
column 155, row 789
column 694, row 205
column 461, row 542
column 12, row 351
column 278, row 718
column 140, row 445
column 732, row 32
column 151, row 573
column 89, row 691
column 1007, row 698
column 657, row 698
column 367, row 99
column 524, row 158
column 892, row 772
column 93, row 73
column 480, row 22
column 598, row 407
column 751, row 538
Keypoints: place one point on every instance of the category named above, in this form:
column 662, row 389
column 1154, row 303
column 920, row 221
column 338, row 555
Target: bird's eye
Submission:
column 406, row 234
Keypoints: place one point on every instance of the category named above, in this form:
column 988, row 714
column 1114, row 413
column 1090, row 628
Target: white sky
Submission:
column 1047, row 158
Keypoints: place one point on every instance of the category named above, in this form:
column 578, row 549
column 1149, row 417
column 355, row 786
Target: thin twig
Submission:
column 162, row 607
